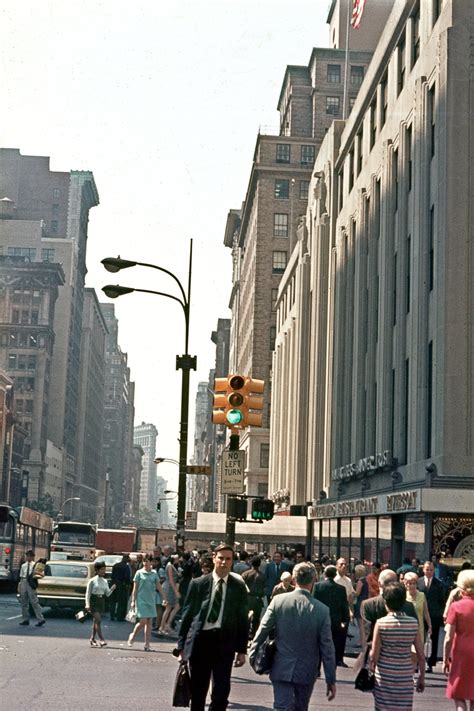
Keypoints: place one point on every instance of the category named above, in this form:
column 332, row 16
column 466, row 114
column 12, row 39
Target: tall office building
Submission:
column 145, row 435
column 58, row 203
column 90, row 467
column 263, row 234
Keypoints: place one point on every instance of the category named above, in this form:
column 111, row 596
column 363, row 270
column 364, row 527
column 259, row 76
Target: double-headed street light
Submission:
column 184, row 363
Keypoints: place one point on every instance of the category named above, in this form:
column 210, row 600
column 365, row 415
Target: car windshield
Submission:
column 67, row 571
column 109, row 559
column 6, row 529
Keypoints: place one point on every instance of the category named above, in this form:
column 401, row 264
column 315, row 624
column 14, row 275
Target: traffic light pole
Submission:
column 230, row 521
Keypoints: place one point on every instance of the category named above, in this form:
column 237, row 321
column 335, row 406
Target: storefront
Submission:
column 391, row 526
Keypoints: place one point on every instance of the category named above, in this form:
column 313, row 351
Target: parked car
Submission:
column 64, row 583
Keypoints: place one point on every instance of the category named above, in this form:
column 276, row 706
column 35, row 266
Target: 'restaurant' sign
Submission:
column 370, row 506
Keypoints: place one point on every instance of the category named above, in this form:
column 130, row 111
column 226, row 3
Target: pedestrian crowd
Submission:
column 217, row 604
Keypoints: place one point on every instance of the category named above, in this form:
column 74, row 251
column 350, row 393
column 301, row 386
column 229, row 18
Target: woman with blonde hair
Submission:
column 458, row 656
column 418, row 599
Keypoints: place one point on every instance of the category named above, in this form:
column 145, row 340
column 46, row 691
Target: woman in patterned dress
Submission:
column 390, row 657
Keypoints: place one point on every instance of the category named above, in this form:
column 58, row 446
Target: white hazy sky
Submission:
column 163, row 102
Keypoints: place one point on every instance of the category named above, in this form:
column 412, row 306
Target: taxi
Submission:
column 64, row 584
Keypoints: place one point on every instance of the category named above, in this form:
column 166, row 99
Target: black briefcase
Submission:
column 262, row 661
column 182, row 686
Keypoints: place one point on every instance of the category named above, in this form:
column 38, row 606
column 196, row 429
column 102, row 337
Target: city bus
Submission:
column 73, row 540
column 22, row 529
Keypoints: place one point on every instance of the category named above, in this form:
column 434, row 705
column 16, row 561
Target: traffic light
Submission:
column 237, row 508
column 262, row 509
column 238, row 401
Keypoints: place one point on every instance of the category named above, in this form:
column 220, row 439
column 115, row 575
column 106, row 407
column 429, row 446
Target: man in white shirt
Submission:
column 342, row 579
column 214, row 630
column 27, row 593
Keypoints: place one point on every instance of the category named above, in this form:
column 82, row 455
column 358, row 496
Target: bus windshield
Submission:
column 74, row 535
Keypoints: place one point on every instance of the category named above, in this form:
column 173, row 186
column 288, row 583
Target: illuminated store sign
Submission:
column 363, row 466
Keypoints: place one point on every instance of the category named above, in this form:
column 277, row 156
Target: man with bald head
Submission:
column 374, row 608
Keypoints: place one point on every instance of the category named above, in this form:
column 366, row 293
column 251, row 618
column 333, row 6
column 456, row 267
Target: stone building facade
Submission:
column 387, row 294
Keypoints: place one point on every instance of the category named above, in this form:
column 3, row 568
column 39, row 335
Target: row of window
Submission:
column 25, row 316
column 283, row 154
column 47, row 255
column 21, row 361
column 25, row 406
column 22, row 340
column 282, row 189
column 334, row 74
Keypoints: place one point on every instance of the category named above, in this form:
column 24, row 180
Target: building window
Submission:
column 12, row 361
column 55, row 192
column 360, row 150
column 280, row 224
column 47, row 255
column 352, row 100
column 282, row 189
column 416, row 33
column 27, row 252
column 283, row 153
column 357, row 75
column 401, row 63
column 54, row 227
column 431, row 252
column 384, row 99
column 272, row 337
column 31, row 362
column 304, row 189
column 332, row 105
column 274, row 298
column 307, row 155
column 279, row 262
column 373, row 121
column 431, row 112
column 334, row 73
column 55, row 208
column 264, row 455
column 410, row 157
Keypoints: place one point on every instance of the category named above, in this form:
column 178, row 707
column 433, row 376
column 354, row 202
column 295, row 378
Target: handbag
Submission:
column 131, row 615
column 261, row 662
column 182, row 686
column 365, row 679
column 82, row 616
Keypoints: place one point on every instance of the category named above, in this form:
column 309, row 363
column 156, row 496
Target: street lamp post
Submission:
column 184, row 363
column 61, row 510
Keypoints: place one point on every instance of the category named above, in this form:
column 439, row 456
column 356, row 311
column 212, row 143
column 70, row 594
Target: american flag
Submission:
column 357, row 10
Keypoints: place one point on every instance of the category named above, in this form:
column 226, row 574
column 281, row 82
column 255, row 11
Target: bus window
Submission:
column 6, row 529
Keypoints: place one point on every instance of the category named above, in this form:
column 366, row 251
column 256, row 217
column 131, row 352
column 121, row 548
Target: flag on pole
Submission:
column 357, row 10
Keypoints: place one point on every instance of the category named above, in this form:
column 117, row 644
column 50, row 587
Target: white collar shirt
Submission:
column 26, row 569
column 346, row 583
column 218, row 623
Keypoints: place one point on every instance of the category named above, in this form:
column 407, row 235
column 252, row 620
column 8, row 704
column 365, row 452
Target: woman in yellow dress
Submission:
column 418, row 599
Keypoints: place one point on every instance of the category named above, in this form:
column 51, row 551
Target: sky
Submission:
column 162, row 101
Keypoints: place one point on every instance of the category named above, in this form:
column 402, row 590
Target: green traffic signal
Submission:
column 234, row 417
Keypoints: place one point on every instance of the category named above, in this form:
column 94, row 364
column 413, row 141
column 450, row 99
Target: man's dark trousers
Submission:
column 207, row 659
column 119, row 602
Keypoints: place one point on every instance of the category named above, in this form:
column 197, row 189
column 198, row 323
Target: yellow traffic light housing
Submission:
column 237, row 401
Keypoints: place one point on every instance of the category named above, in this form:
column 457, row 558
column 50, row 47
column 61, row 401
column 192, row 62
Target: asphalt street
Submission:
column 54, row 668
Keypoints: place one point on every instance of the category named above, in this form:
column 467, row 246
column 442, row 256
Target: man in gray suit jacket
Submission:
column 302, row 630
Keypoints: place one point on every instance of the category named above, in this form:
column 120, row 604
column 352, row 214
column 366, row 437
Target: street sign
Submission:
column 198, row 469
column 232, row 472
column 191, row 520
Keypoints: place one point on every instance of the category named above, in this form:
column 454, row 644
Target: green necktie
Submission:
column 216, row 603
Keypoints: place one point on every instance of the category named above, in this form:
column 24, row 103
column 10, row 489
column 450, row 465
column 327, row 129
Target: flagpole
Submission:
column 346, row 69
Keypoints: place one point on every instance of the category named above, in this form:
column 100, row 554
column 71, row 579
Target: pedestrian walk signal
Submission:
column 262, row 509
column 238, row 401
